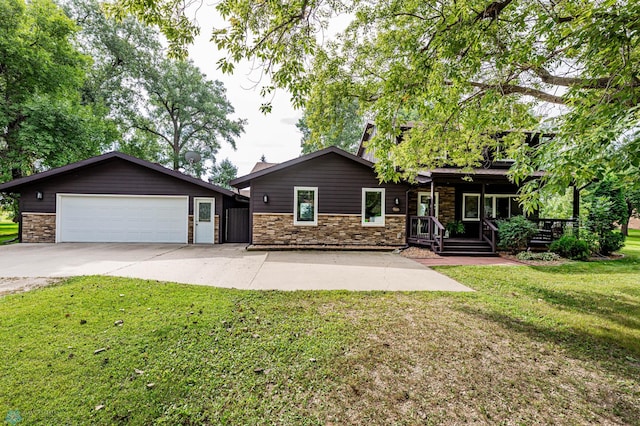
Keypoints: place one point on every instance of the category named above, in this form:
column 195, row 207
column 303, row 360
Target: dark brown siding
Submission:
column 339, row 181
column 113, row 177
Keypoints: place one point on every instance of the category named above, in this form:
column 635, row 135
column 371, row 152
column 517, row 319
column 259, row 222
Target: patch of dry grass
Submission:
column 437, row 361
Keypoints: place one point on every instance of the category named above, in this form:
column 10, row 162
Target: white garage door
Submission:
column 121, row 219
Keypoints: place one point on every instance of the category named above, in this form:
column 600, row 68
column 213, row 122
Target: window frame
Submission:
column 464, row 207
column 493, row 198
column 363, row 206
column 297, row 222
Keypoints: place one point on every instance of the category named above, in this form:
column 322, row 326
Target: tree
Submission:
column 121, row 52
column 223, row 173
column 187, row 112
column 344, row 130
column 42, row 120
column 462, row 70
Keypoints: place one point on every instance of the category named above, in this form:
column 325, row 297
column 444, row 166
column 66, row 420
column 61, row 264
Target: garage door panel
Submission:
column 93, row 218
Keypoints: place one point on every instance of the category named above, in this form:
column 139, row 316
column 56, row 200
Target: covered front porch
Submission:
column 452, row 215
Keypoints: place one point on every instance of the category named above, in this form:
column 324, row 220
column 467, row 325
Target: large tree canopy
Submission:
column 43, row 122
column 187, row 112
column 344, row 130
column 462, row 70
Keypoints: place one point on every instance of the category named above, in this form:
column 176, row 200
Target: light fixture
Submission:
column 396, row 201
column 39, row 195
column 265, row 198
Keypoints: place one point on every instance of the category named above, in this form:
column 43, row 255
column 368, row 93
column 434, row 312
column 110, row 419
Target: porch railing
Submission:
column 550, row 230
column 490, row 233
column 427, row 229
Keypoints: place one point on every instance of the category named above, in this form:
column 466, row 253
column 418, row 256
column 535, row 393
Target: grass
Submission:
column 533, row 345
column 8, row 228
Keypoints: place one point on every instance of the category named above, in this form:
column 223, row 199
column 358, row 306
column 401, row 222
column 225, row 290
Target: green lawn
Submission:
column 8, row 228
column 533, row 345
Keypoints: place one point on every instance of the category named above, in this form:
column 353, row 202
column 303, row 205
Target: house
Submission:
column 331, row 197
column 118, row 198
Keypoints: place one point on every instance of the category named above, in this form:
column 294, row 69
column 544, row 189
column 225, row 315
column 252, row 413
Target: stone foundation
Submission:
column 332, row 229
column 38, row 227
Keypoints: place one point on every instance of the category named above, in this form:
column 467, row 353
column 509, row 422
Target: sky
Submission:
column 273, row 135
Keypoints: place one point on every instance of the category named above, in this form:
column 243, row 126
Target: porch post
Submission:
column 481, row 210
column 432, row 212
column 432, row 208
column 576, row 209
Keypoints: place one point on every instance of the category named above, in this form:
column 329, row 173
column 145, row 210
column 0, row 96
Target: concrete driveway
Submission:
column 226, row 265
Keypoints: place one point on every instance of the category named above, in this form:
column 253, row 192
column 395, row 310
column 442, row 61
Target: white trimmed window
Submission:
column 373, row 207
column 471, row 207
column 305, row 206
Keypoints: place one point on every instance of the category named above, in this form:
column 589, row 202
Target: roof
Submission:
column 261, row 165
column 455, row 172
column 16, row 184
column 244, row 181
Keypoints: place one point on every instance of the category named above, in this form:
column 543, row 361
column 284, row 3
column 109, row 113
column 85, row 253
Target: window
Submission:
column 424, row 205
column 305, row 206
column 373, row 207
column 496, row 206
column 204, row 211
column 471, row 207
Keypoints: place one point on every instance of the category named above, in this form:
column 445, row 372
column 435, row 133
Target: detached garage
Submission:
column 119, row 198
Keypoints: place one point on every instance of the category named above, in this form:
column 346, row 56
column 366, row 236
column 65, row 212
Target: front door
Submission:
column 424, row 200
column 203, row 222
column 424, row 209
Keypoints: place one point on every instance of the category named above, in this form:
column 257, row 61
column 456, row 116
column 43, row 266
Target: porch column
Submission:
column 482, row 190
column 432, row 212
column 576, row 208
column 432, row 208
column 576, row 203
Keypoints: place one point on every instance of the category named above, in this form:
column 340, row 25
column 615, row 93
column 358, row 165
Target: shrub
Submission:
column 610, row 242
column 515, row 233
column 455, row 228
column 570, row 247
column 546, row 256
column 592, row 239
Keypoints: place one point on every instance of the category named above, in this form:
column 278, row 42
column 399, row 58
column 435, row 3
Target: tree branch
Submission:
column 508, row 89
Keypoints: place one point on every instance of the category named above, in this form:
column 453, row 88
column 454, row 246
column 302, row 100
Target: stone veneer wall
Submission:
column 216, row 229
column 38, row 227
column 332, row 229
column 447, row 207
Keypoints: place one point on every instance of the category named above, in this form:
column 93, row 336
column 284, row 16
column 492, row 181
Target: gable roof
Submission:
column 17, row 183
column 261, row 165
column 244, row 181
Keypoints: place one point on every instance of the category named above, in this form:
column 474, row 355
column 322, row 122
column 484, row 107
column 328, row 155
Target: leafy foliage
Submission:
column 343, row 131
column 545, row 256
column 43, row 121
column 570, row 247
column 606, row 207
column 223, row 173
column 455, row 228
column 514, row 233
column 461, row 70
column 187, row 112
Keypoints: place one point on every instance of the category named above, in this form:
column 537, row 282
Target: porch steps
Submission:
column 454, row 247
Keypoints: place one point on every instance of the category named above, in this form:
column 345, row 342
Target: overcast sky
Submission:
column 274, row 135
